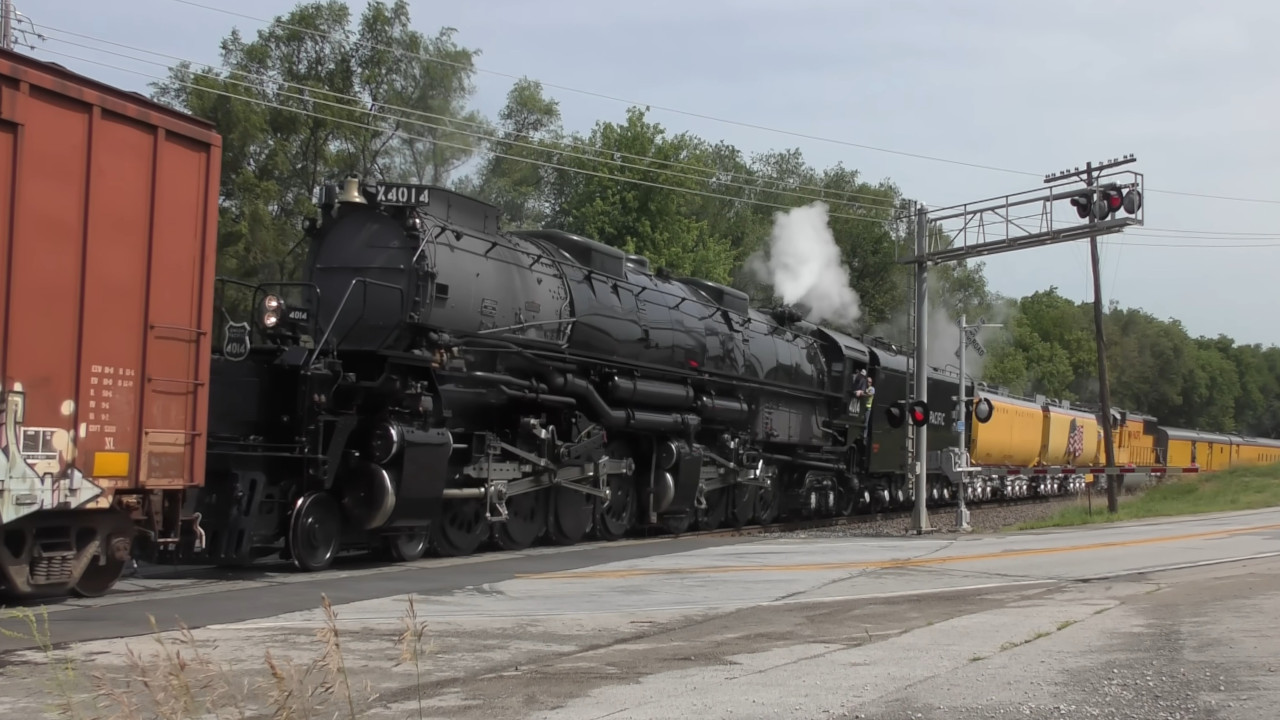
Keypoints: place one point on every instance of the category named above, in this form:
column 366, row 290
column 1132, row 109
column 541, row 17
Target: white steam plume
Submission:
column 803, row 265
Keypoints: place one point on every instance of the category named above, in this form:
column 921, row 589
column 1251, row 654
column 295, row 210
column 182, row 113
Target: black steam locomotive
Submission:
column 436, row 382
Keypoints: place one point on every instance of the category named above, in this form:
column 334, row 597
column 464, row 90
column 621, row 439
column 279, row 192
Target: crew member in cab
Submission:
column 864, row 392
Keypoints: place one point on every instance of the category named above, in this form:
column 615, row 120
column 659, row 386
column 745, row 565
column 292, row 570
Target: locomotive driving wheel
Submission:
column 526, row 521
column 462, row 527
column 615, row 516
column 406, row 547
column 713, row 515
column 743, row 506
column 314, row 531
column 768, row 500
column 572, row 515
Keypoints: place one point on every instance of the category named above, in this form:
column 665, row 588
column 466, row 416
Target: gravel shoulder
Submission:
column 982, row 519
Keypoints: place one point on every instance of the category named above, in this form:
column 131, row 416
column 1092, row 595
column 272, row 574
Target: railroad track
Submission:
column 358, row 559
column 865, row 519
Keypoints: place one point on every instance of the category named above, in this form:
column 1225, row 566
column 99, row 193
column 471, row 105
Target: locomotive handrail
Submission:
column 534, row 323
column 261, row 288
column 315, row 353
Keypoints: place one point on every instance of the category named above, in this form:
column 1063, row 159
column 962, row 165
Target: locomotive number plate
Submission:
column 402, row 194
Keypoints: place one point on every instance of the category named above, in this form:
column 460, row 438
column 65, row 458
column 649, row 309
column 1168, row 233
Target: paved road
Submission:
column 1078, row 623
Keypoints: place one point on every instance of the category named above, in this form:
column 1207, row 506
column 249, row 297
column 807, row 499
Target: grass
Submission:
column 180, row 681
column 1239, row 488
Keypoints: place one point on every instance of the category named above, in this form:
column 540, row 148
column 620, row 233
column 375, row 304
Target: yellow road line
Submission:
column 878, row 564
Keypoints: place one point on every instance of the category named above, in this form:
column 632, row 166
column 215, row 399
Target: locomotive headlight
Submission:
column 272, row 309
column 384, row 442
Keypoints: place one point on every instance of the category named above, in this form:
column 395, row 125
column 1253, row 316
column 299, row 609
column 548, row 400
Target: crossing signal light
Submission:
column 1106, row 203
column 1081, row 204
column 895, row 413
column 919, row 413
column 899, row 412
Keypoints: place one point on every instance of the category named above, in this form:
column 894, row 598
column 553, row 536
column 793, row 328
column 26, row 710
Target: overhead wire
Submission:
column 448, row 120
column 403, row 134
column 740, row 123
column 981, row 226
column 888, row 202
column 603, row 96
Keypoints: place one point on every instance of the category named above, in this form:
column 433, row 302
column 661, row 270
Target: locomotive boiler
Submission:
column 436, row 381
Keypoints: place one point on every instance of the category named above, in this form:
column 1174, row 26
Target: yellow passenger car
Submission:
column 1179, row 447
column 1254, row 451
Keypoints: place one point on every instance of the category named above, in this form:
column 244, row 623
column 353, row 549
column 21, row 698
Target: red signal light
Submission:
column 918, row 412
column 1114, row 201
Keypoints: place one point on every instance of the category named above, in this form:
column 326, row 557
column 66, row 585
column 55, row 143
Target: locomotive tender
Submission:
column 431, row 382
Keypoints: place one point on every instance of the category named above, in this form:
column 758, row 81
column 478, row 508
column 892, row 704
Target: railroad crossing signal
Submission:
column 971, row 339
column 1106, row 202
column 917, row 412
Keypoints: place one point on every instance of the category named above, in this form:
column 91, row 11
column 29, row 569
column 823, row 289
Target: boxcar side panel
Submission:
column 108, row 212
column 41, row 351
column 177, row 334
column 115, row 250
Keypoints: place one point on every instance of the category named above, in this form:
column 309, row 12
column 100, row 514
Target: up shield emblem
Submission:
column 235, row 346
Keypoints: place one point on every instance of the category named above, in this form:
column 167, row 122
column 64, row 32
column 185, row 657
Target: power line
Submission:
column 1213, row 246
column 492, row 138
column 448, row 119
column 1212, row 232
column 603, row 96
column 455, row 145
column 1140, row 233
column 739, row 123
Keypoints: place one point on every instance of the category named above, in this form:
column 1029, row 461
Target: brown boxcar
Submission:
column 108, row 204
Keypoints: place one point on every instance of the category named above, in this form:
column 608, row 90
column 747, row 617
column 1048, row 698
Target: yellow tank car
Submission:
column 1070, row 437
column 1253, row 450
column 1011, row 437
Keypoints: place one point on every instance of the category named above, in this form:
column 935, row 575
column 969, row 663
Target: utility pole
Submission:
column 1104, row 384
column 1098, row 203
column 920, row 514
column 6, row 24
column 966, row 340
column 990, row 227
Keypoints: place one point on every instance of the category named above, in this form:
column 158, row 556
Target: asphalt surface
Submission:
column 203, row 597
column 1093, row 622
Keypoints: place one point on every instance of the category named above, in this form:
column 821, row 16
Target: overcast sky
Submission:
column 1191, row 88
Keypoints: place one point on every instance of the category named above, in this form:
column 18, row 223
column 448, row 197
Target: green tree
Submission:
column 652, row 219
column 514, row 175
column 308, row 101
